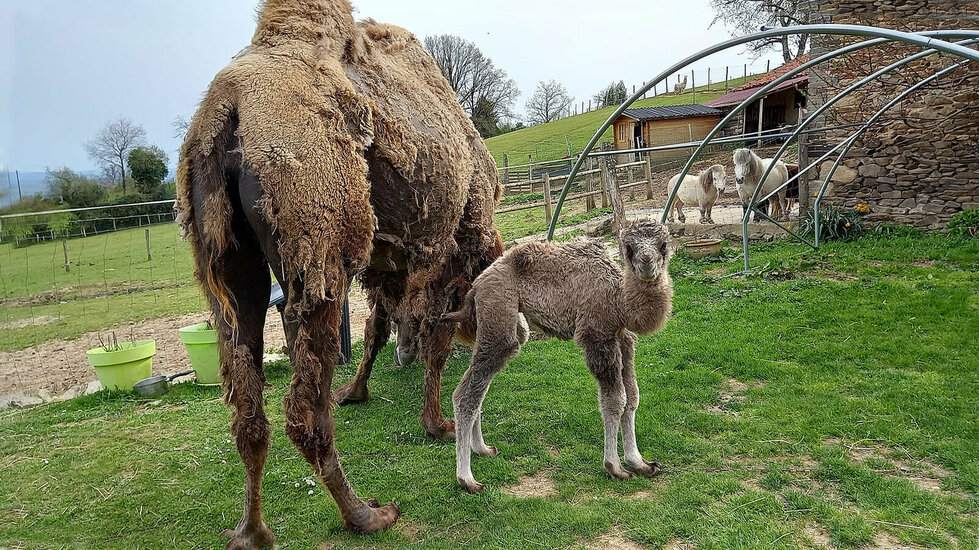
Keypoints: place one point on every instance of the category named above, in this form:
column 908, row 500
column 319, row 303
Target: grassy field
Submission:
column 550, row 141
column 831, row 399
column 110, row 284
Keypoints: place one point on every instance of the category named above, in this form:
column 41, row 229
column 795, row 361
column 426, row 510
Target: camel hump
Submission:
column 524, row 256
column 327, row 23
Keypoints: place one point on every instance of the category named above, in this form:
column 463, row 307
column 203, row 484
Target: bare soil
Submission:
column 539, row 485
column 59, row 365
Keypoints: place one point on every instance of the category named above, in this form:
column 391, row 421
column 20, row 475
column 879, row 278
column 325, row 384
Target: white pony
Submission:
column 748, row 169
column 701, row 190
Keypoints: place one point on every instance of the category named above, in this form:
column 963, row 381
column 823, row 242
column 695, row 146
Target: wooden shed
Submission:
column 653, row 126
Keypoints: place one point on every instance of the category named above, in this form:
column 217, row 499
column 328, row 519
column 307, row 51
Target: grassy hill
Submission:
column 551, row 141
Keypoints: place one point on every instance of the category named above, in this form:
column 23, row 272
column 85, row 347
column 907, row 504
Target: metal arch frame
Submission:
column 847, row 143
column 925, row 39
column 853, row 138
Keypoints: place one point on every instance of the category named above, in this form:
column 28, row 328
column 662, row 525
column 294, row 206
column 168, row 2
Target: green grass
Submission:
column 111, row 283
column 550, row 141
column 866, row 344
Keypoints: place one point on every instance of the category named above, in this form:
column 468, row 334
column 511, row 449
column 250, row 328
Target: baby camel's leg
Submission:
column 604, row 359
column 630, row 449
column 496, row 344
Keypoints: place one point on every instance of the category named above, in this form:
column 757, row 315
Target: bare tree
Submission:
column 549, row 102
column 613, row 94
column 477, row 82
column 748, row 16
column 112, row 146
column 180, row 126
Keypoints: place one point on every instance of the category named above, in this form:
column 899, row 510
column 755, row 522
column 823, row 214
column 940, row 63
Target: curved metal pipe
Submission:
column 924, row 39
column 753, row 202
column 853, row 138
column 829, row 103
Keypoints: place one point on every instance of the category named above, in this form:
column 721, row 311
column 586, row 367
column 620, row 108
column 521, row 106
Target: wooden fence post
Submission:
column 506, row 172
column 149, row 255
column 589, row 187
column 615, row 197
column 64, row 245
column 606, row 146
column 693, row 85
column 746, row 71
column 804, row 178
column 547, row 197
column 708, row 79
column 530, row 172
column 632, row 189
column 726, row 70
column 649, row 177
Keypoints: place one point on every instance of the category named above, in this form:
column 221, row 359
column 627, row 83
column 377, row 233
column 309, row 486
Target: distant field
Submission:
column 550, row 141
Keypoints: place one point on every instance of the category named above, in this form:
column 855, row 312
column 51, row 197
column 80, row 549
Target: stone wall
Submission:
column 920, row 164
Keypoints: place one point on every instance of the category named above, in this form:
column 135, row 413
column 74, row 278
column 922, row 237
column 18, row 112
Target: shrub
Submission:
column 835, row 224
column 964, row 224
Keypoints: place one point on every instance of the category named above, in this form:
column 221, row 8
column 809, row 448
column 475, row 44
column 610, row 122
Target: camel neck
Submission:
column 645, row 306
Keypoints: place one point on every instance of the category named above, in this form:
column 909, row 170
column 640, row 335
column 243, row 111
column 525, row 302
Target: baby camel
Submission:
column 572, row 290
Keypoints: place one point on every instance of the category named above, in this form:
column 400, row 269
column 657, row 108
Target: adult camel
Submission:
column 329, row 149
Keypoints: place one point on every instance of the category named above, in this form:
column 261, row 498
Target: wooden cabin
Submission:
column 654, row 126
column 777, row 108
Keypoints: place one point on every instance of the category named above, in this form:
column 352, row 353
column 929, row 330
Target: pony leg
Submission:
column 679, row 212
column 703, row 213
column 309, row 410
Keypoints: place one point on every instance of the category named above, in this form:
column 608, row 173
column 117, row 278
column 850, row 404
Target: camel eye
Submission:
column 662, row 249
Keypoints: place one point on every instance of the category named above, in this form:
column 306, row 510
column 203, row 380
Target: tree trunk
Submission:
column 122, row 173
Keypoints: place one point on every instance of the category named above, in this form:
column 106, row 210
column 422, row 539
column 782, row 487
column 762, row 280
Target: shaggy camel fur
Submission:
column 327, row 149
column 748, row 169
column 701, row 190
column 569, row 291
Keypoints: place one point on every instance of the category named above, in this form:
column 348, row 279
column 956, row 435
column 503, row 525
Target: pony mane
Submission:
column 707, row 178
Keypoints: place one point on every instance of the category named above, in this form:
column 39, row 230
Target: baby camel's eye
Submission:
column 662, row 249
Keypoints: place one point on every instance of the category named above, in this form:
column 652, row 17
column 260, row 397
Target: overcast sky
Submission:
column 69, row 66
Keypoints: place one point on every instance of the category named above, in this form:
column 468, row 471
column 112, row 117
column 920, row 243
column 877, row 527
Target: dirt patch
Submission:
column 410, row 530
column 836, row 276
column 615, row 539
column 60, row 365
column 886, row 541
column 815, row 536
column 539, row 485
column 924, row 262
column 732, row 393
column 677, row 544
column 21, row 323
column 923, row 473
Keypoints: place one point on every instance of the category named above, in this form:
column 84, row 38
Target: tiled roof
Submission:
column 670, row 111
column 775, row 73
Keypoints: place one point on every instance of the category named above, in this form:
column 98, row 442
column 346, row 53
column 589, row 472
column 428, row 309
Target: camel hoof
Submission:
column 616, row 471
column 377, row 518
column 471, row 486
column 442, row 430
column 647, row 469
column 350, row 393
column 244, row 539
column 489, row 451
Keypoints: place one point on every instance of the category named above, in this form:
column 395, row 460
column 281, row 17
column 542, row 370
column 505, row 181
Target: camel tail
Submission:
column 204, row 208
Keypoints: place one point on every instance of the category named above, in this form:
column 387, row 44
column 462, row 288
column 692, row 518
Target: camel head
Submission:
column 742, row 165
column 647, row 249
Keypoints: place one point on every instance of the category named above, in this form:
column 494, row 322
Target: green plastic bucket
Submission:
column 121, row 368
column 202, row 348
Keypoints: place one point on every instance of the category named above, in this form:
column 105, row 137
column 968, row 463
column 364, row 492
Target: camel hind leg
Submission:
column 308, row 406
column 497, row 342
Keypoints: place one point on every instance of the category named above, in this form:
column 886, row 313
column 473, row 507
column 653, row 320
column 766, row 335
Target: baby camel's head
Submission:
column 646, row 244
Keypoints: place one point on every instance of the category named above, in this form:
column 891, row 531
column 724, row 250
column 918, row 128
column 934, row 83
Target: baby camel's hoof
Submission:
column 471, row 485
column 617, row 472
column 489, row 451
column 443, row 429
column 249, row 539
column 377, row 517
column 350, row 393
column 647, row 469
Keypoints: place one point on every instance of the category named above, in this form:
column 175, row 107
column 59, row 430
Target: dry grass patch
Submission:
column 616, row 540
column 539, row 485
column 923, row 473
column 731, row 393
column 814, row 536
